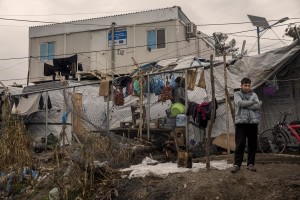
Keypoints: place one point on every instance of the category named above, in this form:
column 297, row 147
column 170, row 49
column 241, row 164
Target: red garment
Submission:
column 202, row 109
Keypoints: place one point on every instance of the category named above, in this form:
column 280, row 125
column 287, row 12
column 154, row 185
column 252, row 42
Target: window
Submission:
column 47, row 51
column 156, row 39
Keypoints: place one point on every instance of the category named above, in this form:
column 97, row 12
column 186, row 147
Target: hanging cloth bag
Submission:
column 201, row 82
column 157, row 85
column 191, row 78
column 119, row 98
column 166, row 93
column 104, row 87
column 136, row 88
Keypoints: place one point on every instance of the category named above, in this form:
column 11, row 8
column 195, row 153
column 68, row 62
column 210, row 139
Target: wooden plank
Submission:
column 77, row 113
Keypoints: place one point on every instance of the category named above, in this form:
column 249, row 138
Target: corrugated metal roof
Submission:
column 102, row 23
column 68, row 22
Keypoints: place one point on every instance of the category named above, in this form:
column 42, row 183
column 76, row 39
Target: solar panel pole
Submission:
column 258, row 42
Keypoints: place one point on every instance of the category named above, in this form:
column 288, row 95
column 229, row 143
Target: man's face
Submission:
column 246, row 87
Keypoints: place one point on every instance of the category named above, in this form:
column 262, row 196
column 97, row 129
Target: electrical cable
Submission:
column 278, row 37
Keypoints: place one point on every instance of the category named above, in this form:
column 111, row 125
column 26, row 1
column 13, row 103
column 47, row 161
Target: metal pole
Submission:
column 197, row 48
column 243, row 47
column 28, row 73
column 258, row 43
column 186, row 105
column 107, row 114
column 113, row 49
column 177, row 39
column 148, row 109
column 112, row 72
column 29, row 60
column 46, row 105
column 141, row 105
column 73, row 114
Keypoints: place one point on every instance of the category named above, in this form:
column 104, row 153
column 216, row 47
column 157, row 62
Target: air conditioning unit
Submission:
column 191, row 29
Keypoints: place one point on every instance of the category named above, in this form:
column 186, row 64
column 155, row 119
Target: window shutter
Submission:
column 43, row 51
column 51, row 50
column 161, row 39
column 151, row 39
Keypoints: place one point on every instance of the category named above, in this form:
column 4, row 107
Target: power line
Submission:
column 12, row 66
column 15, row 79
column 278, row 37
column 72, row 22
column 260, row 37
column 103, row 50
column 25, row 20
column 60, row 14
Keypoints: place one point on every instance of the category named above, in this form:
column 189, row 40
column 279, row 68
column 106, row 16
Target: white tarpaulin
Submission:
column 28, row 105
column 258, row 68
column 150, row 167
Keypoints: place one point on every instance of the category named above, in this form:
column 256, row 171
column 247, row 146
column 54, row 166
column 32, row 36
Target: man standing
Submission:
column 246, row 125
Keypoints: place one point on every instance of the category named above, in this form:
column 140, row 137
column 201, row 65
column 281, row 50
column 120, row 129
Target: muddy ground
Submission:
column 277, row 177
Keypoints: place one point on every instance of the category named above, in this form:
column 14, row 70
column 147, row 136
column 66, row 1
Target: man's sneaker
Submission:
column 251, row 168
column 235, row 168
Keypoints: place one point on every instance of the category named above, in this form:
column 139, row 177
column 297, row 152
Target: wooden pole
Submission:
column 141, row 98
column 226, row 101
column 230, row 106
column 148, row 107
column 46, row 121
column 213, row 111
column 186, row 105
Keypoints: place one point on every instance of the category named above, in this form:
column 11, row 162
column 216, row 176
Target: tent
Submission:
column 275, row 78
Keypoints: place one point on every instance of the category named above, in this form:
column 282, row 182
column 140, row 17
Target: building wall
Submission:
column 36, row 67
column 95, row 54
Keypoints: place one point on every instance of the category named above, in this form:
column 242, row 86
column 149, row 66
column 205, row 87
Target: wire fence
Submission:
column 151, row 116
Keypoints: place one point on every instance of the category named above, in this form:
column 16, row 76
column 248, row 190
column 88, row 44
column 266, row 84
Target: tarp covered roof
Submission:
column 258, row 68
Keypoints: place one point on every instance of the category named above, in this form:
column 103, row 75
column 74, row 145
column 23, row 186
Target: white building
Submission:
column 145, row 36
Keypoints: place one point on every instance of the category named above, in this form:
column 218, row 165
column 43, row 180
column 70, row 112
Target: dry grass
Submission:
column 80, row 177
column 15, row 151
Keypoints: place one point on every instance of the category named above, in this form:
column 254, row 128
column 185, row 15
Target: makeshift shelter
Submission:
column 274, row 74
column 275, row 78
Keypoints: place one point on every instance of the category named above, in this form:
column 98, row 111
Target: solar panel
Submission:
column 259, row 21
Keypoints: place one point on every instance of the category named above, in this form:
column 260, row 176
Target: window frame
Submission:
column 47, row 51
column 151, row 43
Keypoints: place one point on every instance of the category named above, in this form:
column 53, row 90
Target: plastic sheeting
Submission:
column 258, row 68
column 28, row 105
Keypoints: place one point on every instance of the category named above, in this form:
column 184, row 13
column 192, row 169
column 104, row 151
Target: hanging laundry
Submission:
column 166, row 93
column 201, row 82
column 129, row 88
column 67, row 66
column 191, row 78
column 121, row 81
column 119, row 98
column 49, row 70
column 41, row 103
column 104, row 87
column 202, row 113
